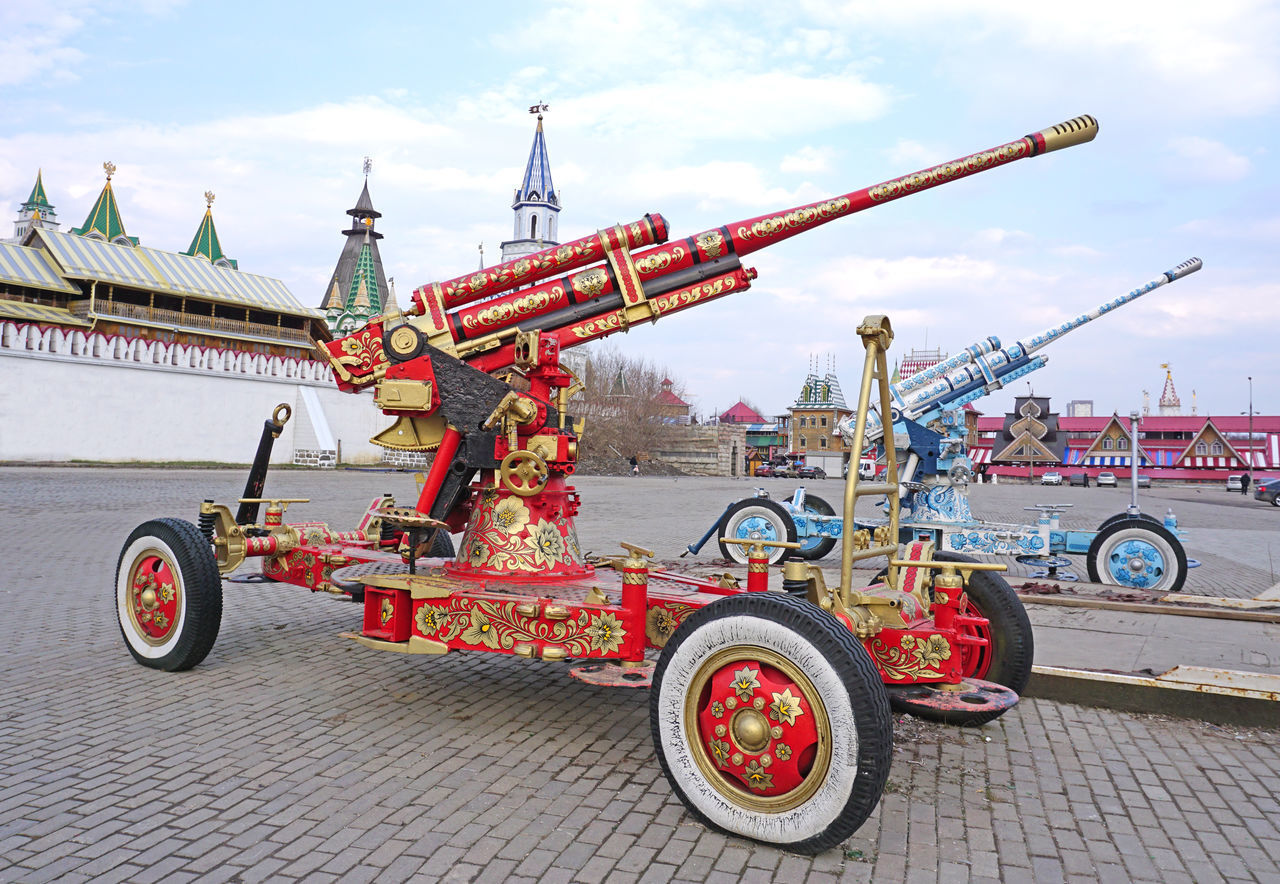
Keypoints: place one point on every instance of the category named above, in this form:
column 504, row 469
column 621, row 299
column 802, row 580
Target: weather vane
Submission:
column 110, row 167
column 368, row 166
column 208, row 199
column 539, row 108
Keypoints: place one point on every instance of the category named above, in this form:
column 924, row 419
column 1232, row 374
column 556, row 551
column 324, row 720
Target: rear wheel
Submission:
column 756, row 518
column 770, row 722
column 1138, row 553
column 168, row 595
column 1006, row 657
column 814, row 548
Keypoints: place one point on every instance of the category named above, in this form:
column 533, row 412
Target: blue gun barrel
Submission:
column 985, row 366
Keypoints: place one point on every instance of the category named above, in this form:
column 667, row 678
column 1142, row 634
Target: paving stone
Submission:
column 292, row 754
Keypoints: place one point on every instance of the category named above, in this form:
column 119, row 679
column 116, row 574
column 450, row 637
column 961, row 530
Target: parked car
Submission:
column 1233, row 483
column 1267, row 490
column 766, row 471
column 1144, row 481
column 807, row 472
column 1051, row 479
column 1106, row 479
column 1081, row 479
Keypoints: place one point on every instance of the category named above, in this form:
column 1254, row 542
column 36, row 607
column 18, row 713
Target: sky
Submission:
column 710, row 113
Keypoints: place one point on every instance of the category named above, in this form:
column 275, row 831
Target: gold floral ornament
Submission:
column 511, row 515
column 717, row 709
column 745, row 682
column 429, row 619
column 351, row 346
column 479, row 630
column 720, row 752
column 606, row 633
column 930, row 652
column 785, row 707
column 758, row 777
column 477, row 553
column 783, row 751
column 548, row 544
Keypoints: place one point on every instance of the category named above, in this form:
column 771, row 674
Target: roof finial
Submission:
column 481, row 248
column 110, row 167
column 368, row 166
column 208, row 199
column 538, row 109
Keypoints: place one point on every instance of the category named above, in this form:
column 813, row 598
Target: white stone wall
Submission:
column 66, row 395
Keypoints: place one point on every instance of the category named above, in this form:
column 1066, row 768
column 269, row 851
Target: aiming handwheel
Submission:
column 523, row 473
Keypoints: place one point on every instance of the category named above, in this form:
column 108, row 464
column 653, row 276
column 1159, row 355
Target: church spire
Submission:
column 205, row 243
column 35, row 212
column 357, row 290
column 104, row 218
column 1170, row 404
column 536, row 203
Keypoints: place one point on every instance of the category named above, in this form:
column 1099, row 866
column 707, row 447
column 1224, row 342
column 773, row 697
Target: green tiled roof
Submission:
column 38, row 199
column 104, row 217
column 205, row 243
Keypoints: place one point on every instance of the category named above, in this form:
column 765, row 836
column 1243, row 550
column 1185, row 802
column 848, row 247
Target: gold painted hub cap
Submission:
column 155, row 597
column 760, row 733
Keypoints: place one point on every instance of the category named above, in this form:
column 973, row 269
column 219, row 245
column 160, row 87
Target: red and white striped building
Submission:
column 1171, row 447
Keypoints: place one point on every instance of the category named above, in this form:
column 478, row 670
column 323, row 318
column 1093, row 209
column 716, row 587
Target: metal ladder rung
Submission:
column 877, row 488
column 874, row 551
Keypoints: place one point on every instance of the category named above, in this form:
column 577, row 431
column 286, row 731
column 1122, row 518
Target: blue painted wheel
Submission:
column 756, row 518
column 1138, row 553
column 816, row 546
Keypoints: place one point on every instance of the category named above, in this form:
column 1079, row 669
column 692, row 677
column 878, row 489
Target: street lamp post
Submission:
column 1250, row 449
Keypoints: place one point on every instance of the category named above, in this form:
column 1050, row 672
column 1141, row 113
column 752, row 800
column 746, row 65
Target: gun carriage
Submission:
column 1129, row 549
column 769, row 709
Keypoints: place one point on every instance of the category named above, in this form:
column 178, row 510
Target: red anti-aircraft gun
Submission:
column 769, row 708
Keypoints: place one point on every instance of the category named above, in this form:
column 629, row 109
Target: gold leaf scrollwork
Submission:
column 947, row 171
column 802, row 217
column 499, row 626
column 660, row 260
column 597, row 326
column 912, row 657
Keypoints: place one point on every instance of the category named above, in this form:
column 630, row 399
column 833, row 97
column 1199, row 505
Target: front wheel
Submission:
column 1137, row 553
column 770, row 722
column 756, row 518
column 168, row 595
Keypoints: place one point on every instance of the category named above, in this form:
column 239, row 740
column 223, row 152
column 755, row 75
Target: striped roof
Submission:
column 168, row 272
column 39, row 313
column 31, row 267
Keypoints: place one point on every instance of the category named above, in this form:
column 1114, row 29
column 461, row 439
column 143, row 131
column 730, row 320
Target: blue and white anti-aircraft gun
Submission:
column 1129, row 549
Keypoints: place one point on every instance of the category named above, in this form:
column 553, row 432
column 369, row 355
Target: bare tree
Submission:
column 626, row 414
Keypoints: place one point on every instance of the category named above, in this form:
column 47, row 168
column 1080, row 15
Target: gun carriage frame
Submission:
column 769, row 709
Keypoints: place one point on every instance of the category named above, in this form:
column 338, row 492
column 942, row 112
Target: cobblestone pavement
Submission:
column 292, row 753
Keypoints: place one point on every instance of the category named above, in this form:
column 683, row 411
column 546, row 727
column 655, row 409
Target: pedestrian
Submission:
column 1244, row 484
column 635, row 466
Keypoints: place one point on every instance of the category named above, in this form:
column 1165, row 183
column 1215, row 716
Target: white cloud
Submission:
column 808, row 159
column 1203, row 159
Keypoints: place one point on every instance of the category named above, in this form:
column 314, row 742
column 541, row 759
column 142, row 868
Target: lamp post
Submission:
column 1250, row 423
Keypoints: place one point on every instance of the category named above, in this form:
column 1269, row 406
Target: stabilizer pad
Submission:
column 971, row 695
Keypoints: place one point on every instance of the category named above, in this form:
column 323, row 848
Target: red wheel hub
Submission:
column 154, row 598
column 974, row 638
column 758, row 728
